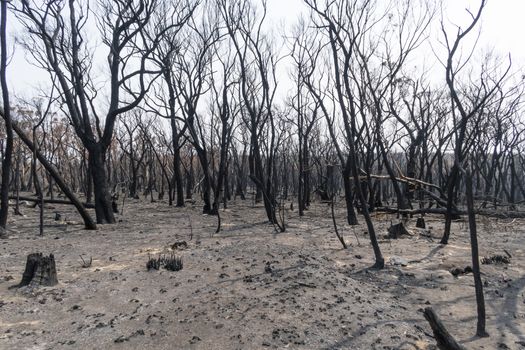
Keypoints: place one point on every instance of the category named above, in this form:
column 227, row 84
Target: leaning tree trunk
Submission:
column 444, row 340
column 88, row 221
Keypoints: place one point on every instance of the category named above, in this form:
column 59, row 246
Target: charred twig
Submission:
column 86, row 264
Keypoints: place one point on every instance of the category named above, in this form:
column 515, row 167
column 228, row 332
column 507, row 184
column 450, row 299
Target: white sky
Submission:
column 503, row 28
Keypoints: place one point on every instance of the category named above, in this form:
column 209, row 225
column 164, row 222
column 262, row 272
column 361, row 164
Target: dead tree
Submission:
column 480, row 300
column 225, row 109
column 313, row 74
column 486, row 89
column 376, row 80
column 192, row 77
column 257, row 68
column 8, row 153
column 154, row 136
column 164, row 98
column 307, row 111
column 134, row 150
column 419, row 111
column 41, row 112
column 57, row 42
column 342, row 41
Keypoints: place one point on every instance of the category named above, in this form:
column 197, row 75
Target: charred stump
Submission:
column 40, row 270
column 397, row 231
column 420, row 223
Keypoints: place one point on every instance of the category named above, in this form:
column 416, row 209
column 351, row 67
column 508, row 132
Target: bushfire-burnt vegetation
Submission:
column 200, row 101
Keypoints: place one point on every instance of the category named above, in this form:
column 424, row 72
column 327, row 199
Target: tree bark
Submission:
column 480, row 300
column 444, row 340
column 351, row 217
column 39, row 270
column 8, row 154
column 103, row 207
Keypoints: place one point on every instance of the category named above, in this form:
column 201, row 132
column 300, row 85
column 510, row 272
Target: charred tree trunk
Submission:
column 38, row 185
column 206, row 182
column 89, row 182
column 177, row 176
column 480, row 300
column 443, row 338
column 190, row 176
column 349, row 195
column 103, row 207
column 7, row 159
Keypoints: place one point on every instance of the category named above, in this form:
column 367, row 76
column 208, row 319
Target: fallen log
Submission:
column 51, row 201
column 443, row 211
column 444, row 340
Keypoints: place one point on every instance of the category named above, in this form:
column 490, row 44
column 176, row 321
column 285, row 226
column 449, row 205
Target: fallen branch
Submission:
column 443, row 211
column 51, row 201
column 444, row 340
column 404, row 179
column 442, row 201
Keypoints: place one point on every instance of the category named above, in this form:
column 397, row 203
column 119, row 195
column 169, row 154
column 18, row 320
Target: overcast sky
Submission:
column 503, row 28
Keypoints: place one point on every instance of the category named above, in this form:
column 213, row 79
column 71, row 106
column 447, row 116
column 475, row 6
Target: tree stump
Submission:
column 397, row 230
column 40, row 270
column 420, row 223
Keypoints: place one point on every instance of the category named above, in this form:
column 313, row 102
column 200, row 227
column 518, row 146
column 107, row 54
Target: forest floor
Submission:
column 251, row 288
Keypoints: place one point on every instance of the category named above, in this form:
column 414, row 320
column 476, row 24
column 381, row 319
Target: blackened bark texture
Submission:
column 480, row 300
column 103, row 207
column 177, row 173
column 351, row 216
column 8, row 154
column 444, row 340
column 40, row 270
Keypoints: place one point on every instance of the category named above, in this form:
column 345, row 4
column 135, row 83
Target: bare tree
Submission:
column 192, row 77
column 345, row 23
column 8, row 153
column 467, row 111
column 58, row 42
column 257, row 68
column 463, row 112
